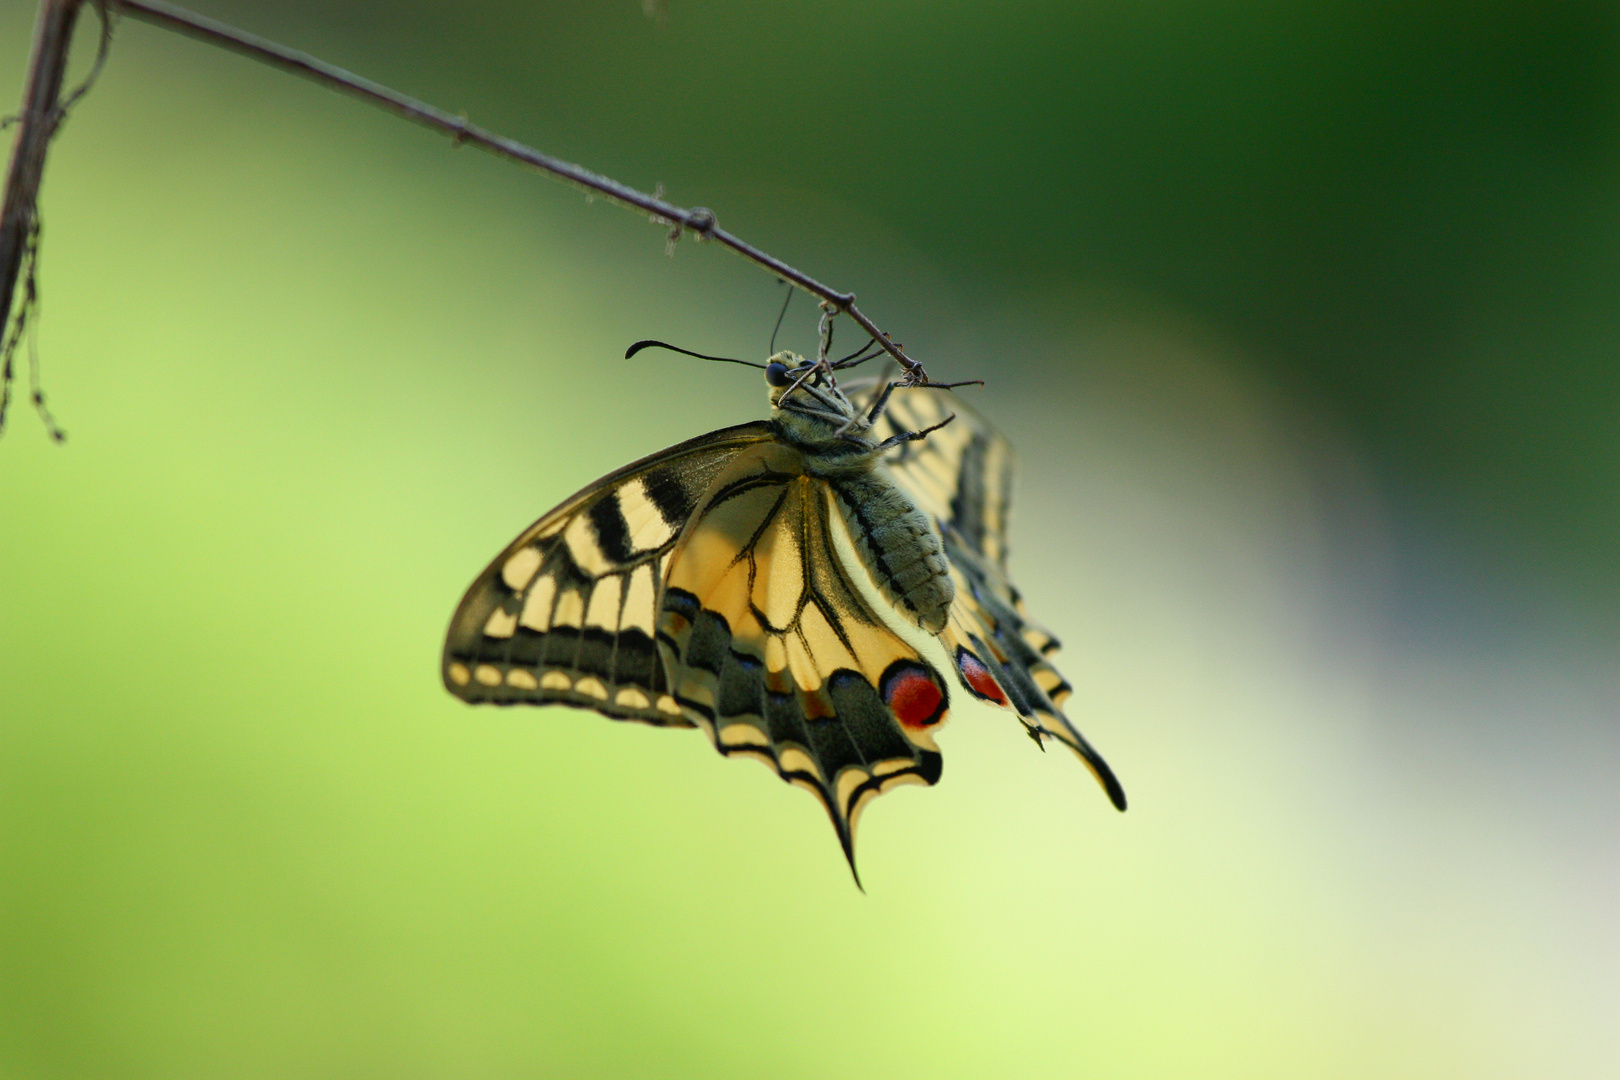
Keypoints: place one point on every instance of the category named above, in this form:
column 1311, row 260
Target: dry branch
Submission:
column 43, row 110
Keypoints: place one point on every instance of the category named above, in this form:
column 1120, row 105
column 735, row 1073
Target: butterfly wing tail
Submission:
column 999, row 659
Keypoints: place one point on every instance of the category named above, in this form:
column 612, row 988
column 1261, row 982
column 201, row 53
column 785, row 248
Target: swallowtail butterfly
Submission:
column 808, row 589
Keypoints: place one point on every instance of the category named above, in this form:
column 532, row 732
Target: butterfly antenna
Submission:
column 649, row 343
column 786, row 300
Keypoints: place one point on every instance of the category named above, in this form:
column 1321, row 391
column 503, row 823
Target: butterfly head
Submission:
column 811, row 412
column 784, row 370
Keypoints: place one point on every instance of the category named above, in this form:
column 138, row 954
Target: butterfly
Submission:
column 810, row 590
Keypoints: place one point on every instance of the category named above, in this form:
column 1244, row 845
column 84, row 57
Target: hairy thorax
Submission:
column 898, row 543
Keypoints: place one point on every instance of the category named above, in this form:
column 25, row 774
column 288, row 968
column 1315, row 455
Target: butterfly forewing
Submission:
column 568, row 612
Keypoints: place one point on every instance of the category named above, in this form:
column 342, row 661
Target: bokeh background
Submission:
column 1302, row 314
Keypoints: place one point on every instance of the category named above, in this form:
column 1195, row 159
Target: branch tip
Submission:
column 42, row 105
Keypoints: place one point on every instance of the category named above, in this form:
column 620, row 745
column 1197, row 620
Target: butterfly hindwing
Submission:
column 567, row 613
column 989, row 642
column 961, row 475
column 773, row 642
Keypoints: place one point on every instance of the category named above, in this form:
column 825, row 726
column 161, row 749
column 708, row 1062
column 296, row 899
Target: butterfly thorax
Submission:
column 899, row 544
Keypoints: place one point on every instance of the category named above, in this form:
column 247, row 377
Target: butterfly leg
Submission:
column 879, row 403
column 882, row 400
column 912, row 436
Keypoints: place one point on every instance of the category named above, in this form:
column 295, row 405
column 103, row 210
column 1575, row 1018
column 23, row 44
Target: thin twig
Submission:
column 37, row 121
column 699, row 220
column 24, row 269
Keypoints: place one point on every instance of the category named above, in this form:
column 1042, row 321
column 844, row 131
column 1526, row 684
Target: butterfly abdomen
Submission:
column 899, row 545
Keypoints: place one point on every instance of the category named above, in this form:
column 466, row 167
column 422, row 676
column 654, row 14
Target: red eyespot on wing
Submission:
column 912, row 692
column 978, row 677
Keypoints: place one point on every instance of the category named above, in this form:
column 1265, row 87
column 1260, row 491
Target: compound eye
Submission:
column 776, row 373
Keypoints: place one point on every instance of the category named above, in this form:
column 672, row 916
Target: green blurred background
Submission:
column 1302, row 314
